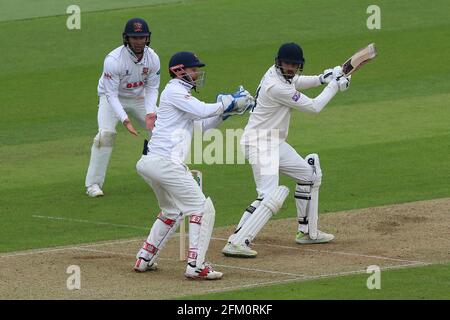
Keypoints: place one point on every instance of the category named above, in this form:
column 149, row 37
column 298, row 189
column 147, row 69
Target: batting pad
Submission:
column 313, row 204
column 206, row 228
column 160, row 234
column 269, row 207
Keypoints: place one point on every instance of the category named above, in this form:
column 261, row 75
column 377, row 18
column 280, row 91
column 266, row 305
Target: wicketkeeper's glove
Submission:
column 237, row 102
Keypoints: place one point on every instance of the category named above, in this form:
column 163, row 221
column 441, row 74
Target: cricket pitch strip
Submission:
column 397, row 236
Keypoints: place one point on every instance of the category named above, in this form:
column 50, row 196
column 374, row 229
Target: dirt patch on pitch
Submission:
column 389, row 236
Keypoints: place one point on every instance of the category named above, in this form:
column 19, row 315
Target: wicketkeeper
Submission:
column 162, row 165
column 264, row 144
column 128, row 86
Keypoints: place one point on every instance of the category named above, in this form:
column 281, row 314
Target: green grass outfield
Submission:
column 385, row 140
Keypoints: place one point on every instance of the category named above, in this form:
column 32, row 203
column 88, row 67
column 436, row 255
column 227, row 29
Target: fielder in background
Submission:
column 269, row 154
column 162, row 164
column 128, row 86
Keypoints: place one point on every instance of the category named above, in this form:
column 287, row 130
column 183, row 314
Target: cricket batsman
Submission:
column 264, row 145
column 127, row 87
column 162, row 164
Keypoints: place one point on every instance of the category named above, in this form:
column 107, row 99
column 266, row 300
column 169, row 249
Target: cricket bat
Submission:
column 359, row 58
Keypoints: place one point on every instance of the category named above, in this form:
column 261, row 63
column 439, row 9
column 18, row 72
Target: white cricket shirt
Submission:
column 124, row 77
column 275, row 99
column 176, row 114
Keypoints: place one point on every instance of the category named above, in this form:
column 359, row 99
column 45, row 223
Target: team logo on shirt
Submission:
column 135, row 84
column 137, row 27
column 296, row 96
column 107, row 75
column 145, row 71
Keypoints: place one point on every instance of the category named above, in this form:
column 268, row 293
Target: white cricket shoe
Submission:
column 142, row 262
column 238, row 251
column 94, row 191
column 322, row 237
column 142, row 266
column 206, row 272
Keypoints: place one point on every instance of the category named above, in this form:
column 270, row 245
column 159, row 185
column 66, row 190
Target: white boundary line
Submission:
column 260, row 270
column 89, row 221
column 297, row 276
column 328, row 251
column 309, row 278
column 70, row 247
column 223, row 239
column 218, row 265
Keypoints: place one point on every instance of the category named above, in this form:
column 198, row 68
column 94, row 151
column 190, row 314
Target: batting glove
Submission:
column 326, row 76
column 344, row 83
column 337, row 72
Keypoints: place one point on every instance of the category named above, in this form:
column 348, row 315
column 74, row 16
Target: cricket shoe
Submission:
column 205, row 272
column 322, row 237
column 141, row 266
column 238, row 251
column 142, row 261
column 94, row 191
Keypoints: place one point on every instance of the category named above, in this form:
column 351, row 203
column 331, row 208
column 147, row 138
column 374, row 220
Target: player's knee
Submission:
column 144, row 170
column 168, row 217
column 105, row 138
column 275, row 199
column 203, row 206
column 199, row 202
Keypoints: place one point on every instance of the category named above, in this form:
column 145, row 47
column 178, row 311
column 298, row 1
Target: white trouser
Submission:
column 175, row 188
column 178, row 195
column 267, row 166
column 104, row 140
column 290, row 163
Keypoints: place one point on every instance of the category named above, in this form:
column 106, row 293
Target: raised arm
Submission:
column 306, row 82
column 290, row 97
column 196, row 108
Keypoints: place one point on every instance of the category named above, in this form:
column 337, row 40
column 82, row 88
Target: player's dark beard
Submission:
column 136, row 51
column 289, row 73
